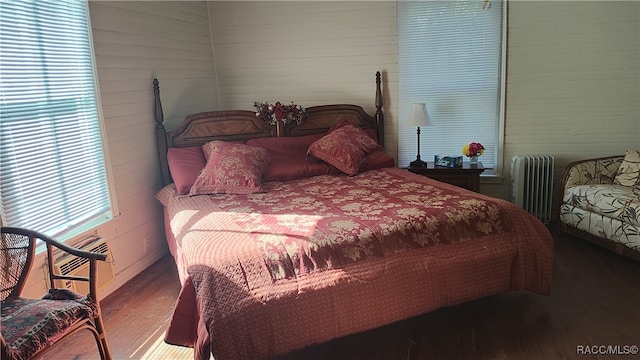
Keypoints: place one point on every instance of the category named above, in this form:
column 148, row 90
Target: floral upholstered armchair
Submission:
column 600, row 202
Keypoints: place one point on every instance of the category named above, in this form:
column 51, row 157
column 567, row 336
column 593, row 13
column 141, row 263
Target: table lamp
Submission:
column 418, row 117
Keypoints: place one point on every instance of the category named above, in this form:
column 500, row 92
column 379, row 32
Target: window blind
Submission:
column 450, row 58
column 52, row 167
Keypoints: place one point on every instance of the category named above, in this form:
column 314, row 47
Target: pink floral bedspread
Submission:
column 254, row 259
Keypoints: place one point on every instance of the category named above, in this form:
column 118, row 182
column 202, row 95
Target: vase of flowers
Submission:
column 472, row 151
column 279, row 115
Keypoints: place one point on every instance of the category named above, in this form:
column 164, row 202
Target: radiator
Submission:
column 532, row 184
column 76, row 266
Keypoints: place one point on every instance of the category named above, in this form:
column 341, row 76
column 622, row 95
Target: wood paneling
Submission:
column 572, row 77
column 312, row 53
column 593, row 302
column 572, row 84
column 135, row 42
column 573, row 81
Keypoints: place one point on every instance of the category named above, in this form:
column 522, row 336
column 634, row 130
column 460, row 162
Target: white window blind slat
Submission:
column 52, row 166
column 450, row 58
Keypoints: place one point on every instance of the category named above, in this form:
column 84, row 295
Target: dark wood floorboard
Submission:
column 595, row 301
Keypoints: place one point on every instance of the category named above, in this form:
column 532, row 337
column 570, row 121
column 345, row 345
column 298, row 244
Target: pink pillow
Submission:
column 283, row 169
column 354, row 122
column 295, row 147
column 185, row 164
column 231, row 168
column 377, row 160
column 345, row 147
column 289, row 158
column 343, row 122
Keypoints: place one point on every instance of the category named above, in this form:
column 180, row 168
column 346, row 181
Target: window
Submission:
column 450, row 56
column 53, row 176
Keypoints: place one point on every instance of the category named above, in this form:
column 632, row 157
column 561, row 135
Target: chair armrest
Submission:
column 591, row 171
column 72, row 250
column 92, row 257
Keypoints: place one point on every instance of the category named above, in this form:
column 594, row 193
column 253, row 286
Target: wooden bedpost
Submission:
column 379, row 113
column 161, row 136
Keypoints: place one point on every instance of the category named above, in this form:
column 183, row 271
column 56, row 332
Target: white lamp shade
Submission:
column 418, row 117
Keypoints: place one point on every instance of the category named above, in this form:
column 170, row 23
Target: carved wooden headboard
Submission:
column 241, row 125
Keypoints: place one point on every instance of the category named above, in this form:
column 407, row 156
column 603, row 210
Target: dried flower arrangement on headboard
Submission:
column 272, row 113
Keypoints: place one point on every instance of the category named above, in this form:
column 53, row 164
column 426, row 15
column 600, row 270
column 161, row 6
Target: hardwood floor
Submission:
column 595, row 301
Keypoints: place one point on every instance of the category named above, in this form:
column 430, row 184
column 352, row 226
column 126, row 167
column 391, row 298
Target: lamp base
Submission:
column 417, row 163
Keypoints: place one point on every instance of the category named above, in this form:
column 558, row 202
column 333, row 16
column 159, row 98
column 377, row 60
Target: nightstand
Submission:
column 467, row 176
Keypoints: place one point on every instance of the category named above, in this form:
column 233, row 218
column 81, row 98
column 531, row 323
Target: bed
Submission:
column 322, row 236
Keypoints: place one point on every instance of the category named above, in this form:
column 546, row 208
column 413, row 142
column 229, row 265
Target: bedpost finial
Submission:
column 379, row 113
column 159, row 116
column 378, row 100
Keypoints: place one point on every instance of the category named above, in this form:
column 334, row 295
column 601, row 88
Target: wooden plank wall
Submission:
column 572, row 86
column 573, row 78
column 572, row 71
column 134, row 42
column 312, row 53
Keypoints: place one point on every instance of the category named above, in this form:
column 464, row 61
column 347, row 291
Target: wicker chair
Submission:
column 30, row 326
